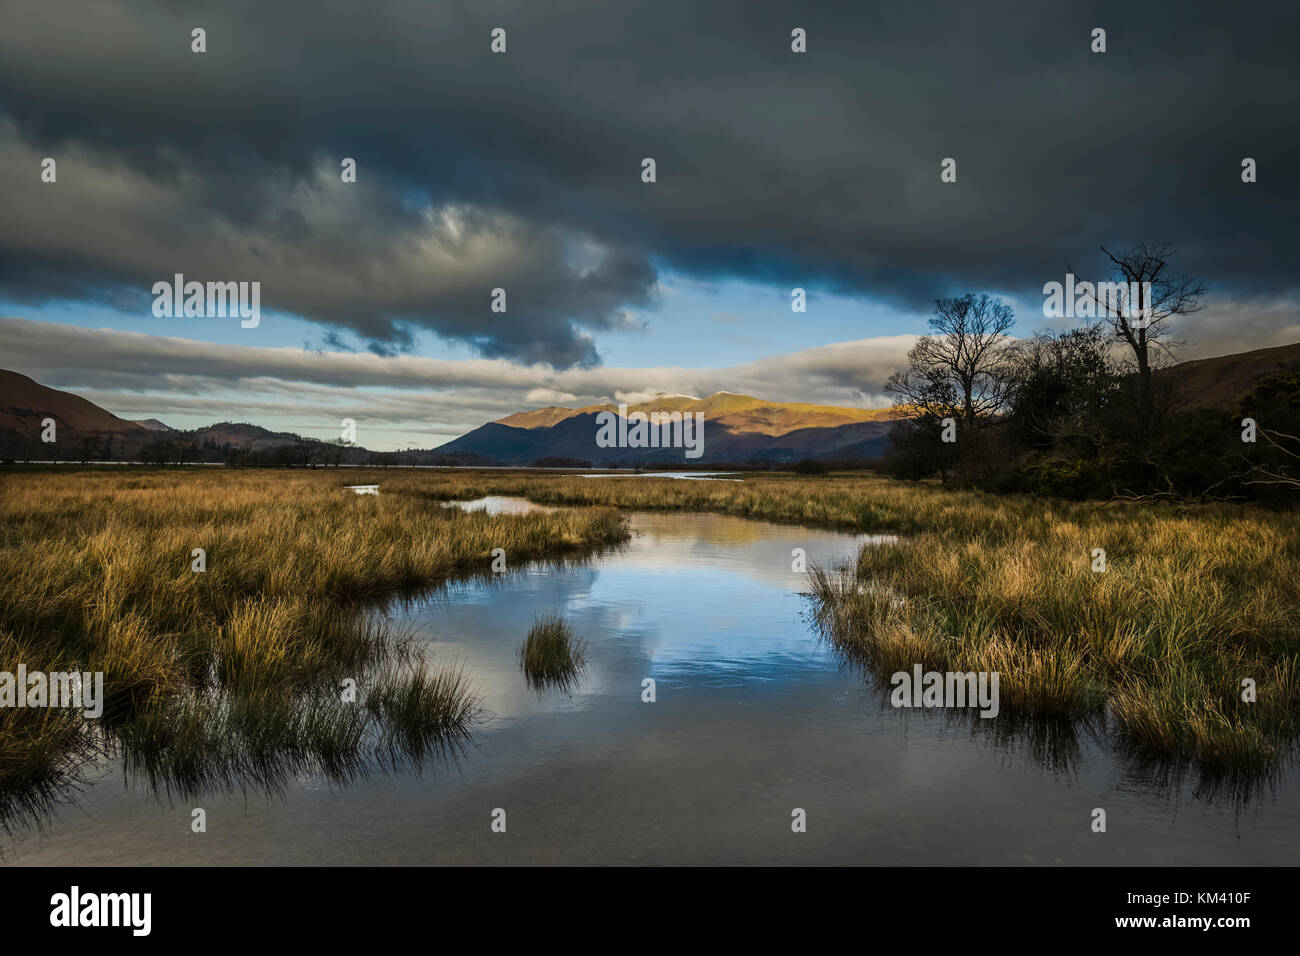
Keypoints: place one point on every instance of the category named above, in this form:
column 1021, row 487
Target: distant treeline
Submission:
column 186, row 448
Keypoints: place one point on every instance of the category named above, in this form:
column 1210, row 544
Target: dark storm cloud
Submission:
column 522, row 170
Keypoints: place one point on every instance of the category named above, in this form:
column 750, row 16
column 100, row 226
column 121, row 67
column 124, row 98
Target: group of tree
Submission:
column 178, row 448
column 1090, row 412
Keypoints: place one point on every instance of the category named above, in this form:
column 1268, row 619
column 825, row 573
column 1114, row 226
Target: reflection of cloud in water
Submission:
column 696, row 599
column 684, row 475
column 498, row 505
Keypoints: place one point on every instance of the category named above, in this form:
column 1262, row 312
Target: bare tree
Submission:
column 1139, row 319
column 964, row 369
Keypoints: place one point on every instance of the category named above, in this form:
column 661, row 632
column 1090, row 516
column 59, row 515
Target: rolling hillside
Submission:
column 740, row 413
column 25, row 404
column 1221, row 381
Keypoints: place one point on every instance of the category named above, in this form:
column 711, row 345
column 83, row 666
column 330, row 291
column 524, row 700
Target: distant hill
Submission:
column 741, row 413
column 154, row 425
column 22, row 399
column 84, row 431
column 1223, row 381
column 243, row 435
column 25, row 404
column 736, row 428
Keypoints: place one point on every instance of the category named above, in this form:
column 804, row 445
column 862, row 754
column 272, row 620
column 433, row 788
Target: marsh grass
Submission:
column 261, row 736
column 552, row 656
column 1192, row 602
column 43, row 753
column 230, row 677
column 430, row 712
column 96, row 567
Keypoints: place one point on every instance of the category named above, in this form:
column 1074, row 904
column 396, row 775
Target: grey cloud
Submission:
column 819, row 168
column 349, row 255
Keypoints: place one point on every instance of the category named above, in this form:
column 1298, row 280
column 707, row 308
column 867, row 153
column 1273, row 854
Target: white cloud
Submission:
column 549, row 396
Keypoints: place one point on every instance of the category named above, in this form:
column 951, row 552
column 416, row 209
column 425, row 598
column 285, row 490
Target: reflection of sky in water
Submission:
column 696, row 601
column 497, row 505
column 684, row 475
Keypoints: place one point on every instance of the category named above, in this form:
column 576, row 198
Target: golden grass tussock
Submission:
column 552, row 655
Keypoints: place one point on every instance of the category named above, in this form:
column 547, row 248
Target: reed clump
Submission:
column 552, row 656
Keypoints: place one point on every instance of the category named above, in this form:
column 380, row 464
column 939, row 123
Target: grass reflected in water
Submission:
column 552, row 656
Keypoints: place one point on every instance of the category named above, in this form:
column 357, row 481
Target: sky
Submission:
column 522, row 170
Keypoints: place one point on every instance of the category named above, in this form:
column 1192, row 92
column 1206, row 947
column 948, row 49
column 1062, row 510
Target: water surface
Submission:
column 684, row 475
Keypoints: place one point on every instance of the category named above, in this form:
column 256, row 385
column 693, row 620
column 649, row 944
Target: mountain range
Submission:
column 737, row 428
